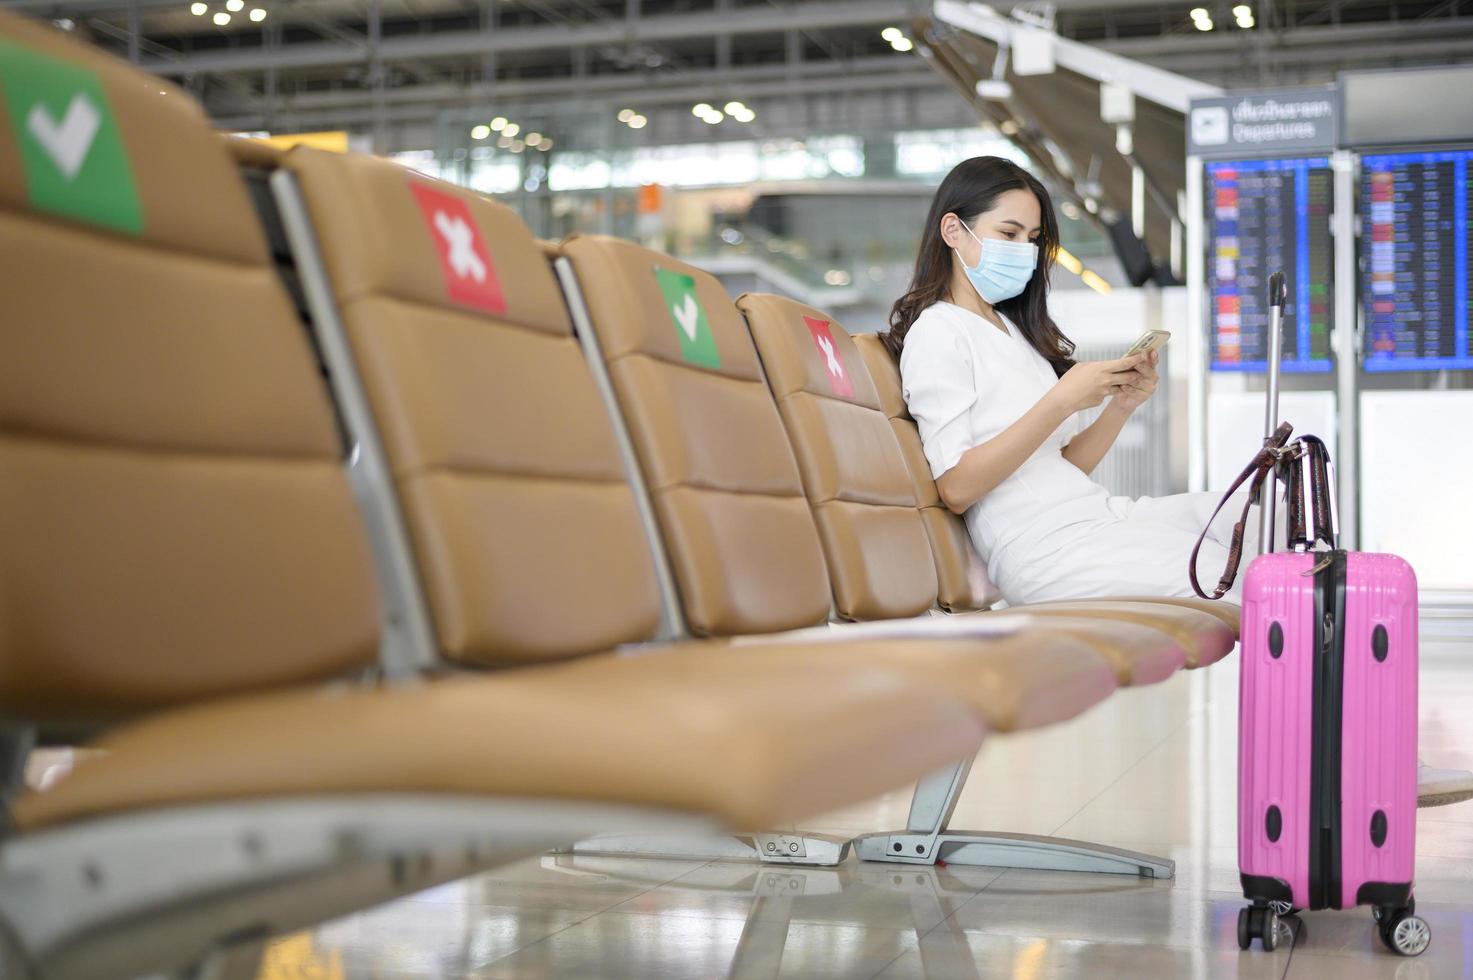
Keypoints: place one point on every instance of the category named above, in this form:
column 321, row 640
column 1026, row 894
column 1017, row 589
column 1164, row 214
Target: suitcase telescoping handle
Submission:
column 1278, row 295
column 1258, row 474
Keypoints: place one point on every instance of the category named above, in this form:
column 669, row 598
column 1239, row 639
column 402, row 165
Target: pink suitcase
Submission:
column 1327, row 712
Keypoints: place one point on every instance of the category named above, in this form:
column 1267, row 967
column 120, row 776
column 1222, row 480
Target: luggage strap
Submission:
column 1258, row 470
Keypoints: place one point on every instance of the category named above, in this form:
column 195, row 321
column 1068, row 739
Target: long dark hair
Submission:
column 971, row 188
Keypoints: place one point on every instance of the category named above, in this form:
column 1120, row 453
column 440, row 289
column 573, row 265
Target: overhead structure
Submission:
column 1107, row 130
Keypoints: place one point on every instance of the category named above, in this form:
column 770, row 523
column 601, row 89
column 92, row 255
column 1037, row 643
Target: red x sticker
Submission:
column 470, row 278
column 838, row 377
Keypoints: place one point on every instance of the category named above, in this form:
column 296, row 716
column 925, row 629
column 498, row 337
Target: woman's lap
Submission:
column 1145, row 551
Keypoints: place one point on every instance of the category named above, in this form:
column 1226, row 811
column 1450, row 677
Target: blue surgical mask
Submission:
column 1003, row 268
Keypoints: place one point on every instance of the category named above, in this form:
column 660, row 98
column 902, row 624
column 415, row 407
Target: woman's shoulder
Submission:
column 937, row 324
column 936, row 330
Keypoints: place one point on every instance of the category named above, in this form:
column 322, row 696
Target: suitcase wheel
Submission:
column 1404, row 933
column 1256, row 921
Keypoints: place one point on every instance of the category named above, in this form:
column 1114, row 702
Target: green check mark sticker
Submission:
column 697, row 343
column 70, row 146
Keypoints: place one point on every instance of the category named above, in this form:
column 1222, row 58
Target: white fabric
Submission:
column 1047, row 531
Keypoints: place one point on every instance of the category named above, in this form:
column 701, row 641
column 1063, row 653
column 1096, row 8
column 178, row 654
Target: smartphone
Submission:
column 1151, row 340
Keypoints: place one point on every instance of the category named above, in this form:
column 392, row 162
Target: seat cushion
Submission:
column 879, row 555
column 1230, row 613
column 1138, row 653
column 756, row 737
column 175, row 514
column 1204, row 637
column 513, row 492
column 1013, row 680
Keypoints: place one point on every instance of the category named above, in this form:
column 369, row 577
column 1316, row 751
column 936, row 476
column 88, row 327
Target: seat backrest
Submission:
column 962, row 582
column 510, row 483
column 174, row 521
column 723, row 481
column 878, row 556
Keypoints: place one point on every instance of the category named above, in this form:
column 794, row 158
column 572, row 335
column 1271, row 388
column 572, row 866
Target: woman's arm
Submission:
column 986, row 465
column 1090, row 446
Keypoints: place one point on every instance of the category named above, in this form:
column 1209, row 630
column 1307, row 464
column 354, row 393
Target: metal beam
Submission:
column 361, row 113
column 559, row 37
column 1322, row 61
column 825, row 76
column 1383, row 34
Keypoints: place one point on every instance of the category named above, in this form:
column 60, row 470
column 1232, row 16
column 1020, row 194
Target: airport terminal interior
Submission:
column 718, row 488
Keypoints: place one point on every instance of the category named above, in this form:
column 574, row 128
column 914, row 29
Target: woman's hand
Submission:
column 1134, row 395
column 1089, row 383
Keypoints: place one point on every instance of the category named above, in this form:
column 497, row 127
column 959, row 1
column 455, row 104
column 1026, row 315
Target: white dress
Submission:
column 1047, row 531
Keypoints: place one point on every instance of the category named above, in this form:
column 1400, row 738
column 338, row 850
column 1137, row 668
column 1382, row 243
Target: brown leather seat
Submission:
column 505, row 464
column 178, row 525
column 175, row 519
column 731, row 498
column 864, row 495
column 437, row 369
column 743, row 738
column 1204, row 638
column 1205, row 641
column 962, row 580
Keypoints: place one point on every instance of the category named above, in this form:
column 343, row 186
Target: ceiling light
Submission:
column 745, row 116
column 258, row 14
column 1204, row 25
column 735, row 108
column 904, row 44
column 510, row 129
column 198, row 9
column 625, row 115
column 221, row 19
column 67, row 24
column 891, row 34
column 1008, row 127
column 712, row 118
column 1200, row 13
column 498, row 124
column 533, row 139
column 638, row 122
column 234, row 6
column 503, row 141
column 480, row 132
column 1246, row 21
column 517, row 146
column 545, row 145
column 701, row 110
column 1242, row 10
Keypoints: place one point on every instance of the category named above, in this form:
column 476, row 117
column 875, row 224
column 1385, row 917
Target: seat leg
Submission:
column 928, row 838
column 768, row 847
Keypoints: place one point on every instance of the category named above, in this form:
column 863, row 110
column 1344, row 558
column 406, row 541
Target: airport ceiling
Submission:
column 388, row 63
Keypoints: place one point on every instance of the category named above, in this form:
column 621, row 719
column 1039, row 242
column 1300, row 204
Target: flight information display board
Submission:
column 1415, row 264
column 1265, row 216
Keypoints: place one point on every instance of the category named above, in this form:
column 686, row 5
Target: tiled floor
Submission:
column 1151, row 769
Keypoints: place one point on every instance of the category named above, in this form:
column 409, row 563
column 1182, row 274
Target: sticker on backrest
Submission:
column 839, row 381
column 70, row 147
column 470, row 278
column 697, row 342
